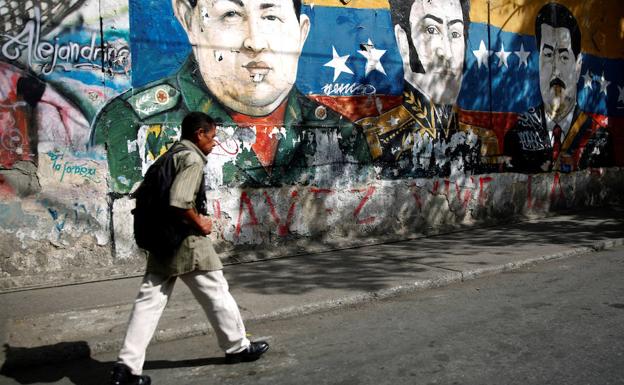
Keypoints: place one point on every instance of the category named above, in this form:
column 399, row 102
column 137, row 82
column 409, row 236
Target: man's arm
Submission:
column 200, row 222
column 184, row 190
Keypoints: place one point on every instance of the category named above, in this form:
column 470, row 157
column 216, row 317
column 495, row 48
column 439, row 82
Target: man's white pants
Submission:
column 209, row 288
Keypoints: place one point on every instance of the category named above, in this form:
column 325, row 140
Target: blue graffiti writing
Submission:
column 348, row 89
column 69, row 168
column 77, row 214
column 58, row 222
column 53, row 54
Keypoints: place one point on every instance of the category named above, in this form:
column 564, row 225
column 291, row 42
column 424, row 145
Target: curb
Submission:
column 68, row 351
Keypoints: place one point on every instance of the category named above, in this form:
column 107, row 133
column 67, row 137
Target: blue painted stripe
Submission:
column 345, row 29
column 159, row 51
column 157, row 41
column 515, row 87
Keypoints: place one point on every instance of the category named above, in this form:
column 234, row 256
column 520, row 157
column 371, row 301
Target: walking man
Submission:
column 194, row 261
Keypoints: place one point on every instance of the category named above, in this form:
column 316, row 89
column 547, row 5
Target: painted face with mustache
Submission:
column 559, row 72
column 247, row 50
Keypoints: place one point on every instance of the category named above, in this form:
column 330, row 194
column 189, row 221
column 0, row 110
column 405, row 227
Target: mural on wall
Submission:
column 60, row 62
column 337, row 118
column 241, row 71
column 557, row 135
column 56, row 73
column 422, row 137
column 410, row 89
column 298, row 106
column 36, row 118
column 535, row 65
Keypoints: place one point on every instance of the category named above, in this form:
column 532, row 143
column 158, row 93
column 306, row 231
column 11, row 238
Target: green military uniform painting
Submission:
column 239, row 76
column 139, row 126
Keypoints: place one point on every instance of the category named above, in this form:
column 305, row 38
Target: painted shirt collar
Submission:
column 564, row 123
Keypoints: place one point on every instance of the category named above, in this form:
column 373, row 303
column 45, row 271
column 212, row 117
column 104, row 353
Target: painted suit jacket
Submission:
column 529, row 146
column 141, row 124
column 420, row 139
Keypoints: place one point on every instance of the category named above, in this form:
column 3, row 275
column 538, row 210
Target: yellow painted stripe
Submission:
column 573, row 132
column 601, row 21
column 372, row 4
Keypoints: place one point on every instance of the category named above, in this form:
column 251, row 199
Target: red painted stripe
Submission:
column 358, row 107
column 616, row 128
column 499, row 122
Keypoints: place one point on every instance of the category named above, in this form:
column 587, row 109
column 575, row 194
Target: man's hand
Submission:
column 204, row 224
column 200, row 222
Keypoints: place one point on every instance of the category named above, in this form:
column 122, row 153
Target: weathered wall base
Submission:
column 61, row 234
column 93, row 240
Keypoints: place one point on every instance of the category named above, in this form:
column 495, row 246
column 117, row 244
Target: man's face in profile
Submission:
column 437, row 31
column 247, row 50
column 559, row 71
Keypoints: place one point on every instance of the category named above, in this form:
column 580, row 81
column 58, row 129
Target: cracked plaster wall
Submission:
column 264, row 223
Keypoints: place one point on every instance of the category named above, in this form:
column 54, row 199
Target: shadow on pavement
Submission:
column 374, row 267
column 72, row 361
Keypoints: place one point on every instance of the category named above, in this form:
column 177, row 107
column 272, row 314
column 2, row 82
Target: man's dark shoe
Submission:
column 252, row 353
column 121, row 375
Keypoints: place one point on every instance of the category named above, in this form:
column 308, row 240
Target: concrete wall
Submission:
column 330, row 136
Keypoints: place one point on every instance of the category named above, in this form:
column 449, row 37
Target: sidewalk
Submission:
column 48, row 325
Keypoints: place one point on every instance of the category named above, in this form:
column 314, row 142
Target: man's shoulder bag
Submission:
column 157, row 228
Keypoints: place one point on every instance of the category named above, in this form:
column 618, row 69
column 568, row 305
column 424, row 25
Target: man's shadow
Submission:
column 72, row 360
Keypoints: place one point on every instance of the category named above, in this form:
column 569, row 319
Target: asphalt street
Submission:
column 559, row 322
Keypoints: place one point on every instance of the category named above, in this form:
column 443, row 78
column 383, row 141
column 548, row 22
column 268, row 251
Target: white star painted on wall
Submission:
column 482, row 54
column 393, row 121
column 338, row 63
column 621, row 96
column 523, row 55
column 587, row 80
column 604, row 83
column 373, row 56
column 502, row 56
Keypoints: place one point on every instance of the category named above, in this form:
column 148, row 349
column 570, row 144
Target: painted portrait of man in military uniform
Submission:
column 557, row 135
column 423, row 137
column 241, row 72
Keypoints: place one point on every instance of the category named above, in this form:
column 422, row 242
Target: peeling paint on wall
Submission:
column 60, row 62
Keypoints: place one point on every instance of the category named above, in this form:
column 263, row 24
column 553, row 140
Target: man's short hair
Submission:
column 400, row 11
column 558, row 16
column 195, row 121
column 296, row 5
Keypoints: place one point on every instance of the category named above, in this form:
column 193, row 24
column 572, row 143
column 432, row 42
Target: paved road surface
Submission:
column 560, row 322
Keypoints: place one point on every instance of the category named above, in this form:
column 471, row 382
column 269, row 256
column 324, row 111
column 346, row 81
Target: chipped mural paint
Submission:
column 431, row 131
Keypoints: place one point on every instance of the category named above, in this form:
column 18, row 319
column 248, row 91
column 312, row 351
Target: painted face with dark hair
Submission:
column 437, row 31
column 559, row 71
column 247, row 50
